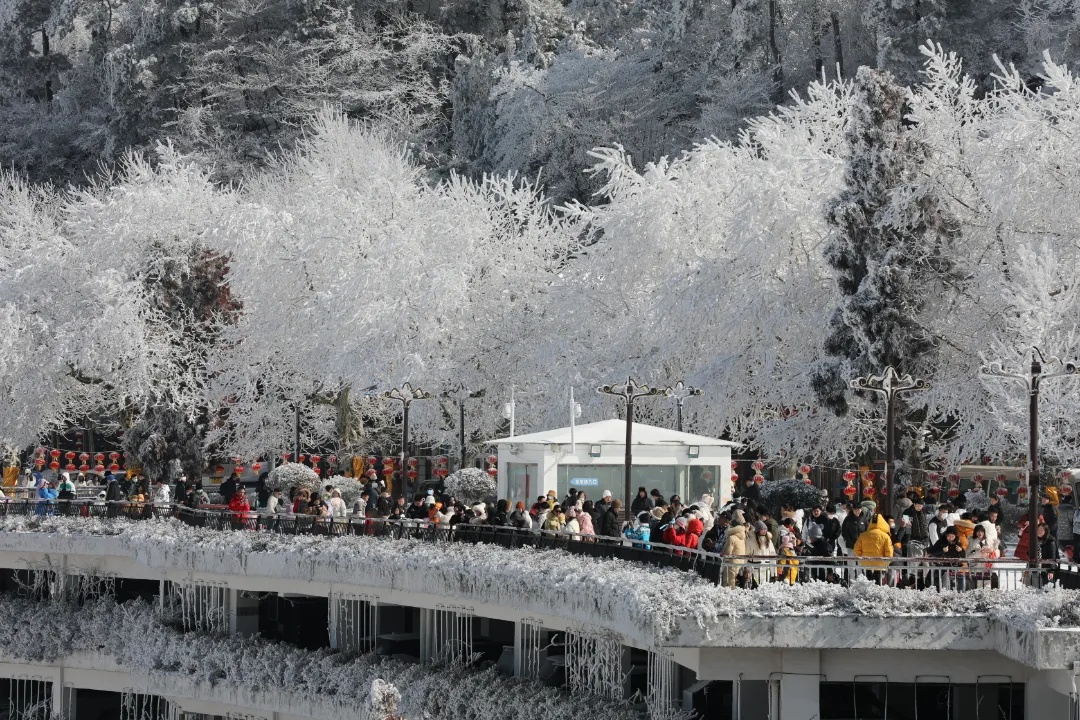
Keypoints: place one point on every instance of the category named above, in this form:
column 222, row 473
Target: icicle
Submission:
column 594, row 663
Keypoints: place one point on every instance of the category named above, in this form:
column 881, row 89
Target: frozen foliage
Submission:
column 470, row 485
column 350, row 488
column 383, row 699
column 779, row 493
column 651, row 605
column 275, row 675
column 289, row 475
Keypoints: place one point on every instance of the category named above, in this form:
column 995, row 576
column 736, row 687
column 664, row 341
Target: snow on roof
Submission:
column 613, row 432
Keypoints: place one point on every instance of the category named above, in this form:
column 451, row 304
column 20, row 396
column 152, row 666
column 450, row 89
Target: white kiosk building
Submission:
column 590, row 457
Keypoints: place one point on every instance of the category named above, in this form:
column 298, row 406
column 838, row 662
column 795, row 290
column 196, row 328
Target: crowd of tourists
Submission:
column 758, row 546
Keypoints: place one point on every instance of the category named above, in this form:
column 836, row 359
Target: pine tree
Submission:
column 890, row 246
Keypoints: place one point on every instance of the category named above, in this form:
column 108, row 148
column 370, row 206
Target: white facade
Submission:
column 590, row 457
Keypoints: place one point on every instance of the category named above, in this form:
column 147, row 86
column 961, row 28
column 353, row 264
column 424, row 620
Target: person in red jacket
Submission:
column 675, row 533
column 239, row 505
column 695, row 528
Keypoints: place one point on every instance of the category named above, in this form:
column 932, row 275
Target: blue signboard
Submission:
column 584, row 482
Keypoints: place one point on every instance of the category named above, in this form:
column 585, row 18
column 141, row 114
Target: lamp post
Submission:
column 405, row 395
column 460, row 394
column 889, row 385
column 1031, row 379
column 680, row 391
column 629, row 392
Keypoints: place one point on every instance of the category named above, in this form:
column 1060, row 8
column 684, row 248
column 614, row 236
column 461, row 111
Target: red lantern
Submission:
column 871, row 476
column 850, row 476
column 39, row 462
column 84, row 468
column 1002, row 491
column 317, row 469
column 734, row 477
column 758, row 465
column 868, row 491
column 805, row 470
column 99, row 468
column 316, row 458
column 114, row 456
column 977, row 479
column 54, row 465
column 1002, row 477
column 850, row 491
column 954, row 478
column 734, row 466
column 100, row 457
column 70, row 455
column 69, row 467
column 413, row 462
column 83, row 457
column 493, row 459
column 807, row 481
column 372, row 460
column 934, row 477
column 286, row 456
column 1022, row 491
column 256, row 466
column 114, row 467
column 412, row 474
column 493, row 472
column 238, row 468
column 1066, row 490
column 39, row 451
column 372, row 474
column 220, row 469
column 1021, row 476
column 759, row 479
column 954, row 492
column 303, row 457
column 54, row 453
column 388, row 462
column 333, row 459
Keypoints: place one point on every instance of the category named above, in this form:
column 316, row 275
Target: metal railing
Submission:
column 748, row 571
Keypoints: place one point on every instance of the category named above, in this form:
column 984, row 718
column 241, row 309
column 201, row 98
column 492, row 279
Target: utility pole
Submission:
column 629, row 391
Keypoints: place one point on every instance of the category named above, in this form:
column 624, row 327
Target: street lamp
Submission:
column 461, row 394
column 1032, row 379
column 405, row 395
column 680, row 391
column 629, row 392
column 889, row 385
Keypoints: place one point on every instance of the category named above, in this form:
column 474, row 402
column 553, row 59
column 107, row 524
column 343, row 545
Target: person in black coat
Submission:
column 228, row 488
column 610, row 523
column 261, row 492
column 642, row 503
column 113, row 492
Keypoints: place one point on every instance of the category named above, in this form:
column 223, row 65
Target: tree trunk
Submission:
column 838, row 45
column 774, row 51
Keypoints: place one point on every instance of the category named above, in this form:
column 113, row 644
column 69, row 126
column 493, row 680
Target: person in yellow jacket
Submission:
column 876, row 542
column 964, row 529
column 788, row 563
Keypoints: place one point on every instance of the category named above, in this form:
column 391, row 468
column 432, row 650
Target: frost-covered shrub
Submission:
column 159, row 658
column 471, row 485
column 976, row 500
column 290, row 475
column 796, row 493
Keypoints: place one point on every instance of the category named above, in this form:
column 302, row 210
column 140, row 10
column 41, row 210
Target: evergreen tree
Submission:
column 891, row 242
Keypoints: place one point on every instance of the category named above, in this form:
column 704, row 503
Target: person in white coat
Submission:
column 761, row 545
column 335, row 506
column 705, row 511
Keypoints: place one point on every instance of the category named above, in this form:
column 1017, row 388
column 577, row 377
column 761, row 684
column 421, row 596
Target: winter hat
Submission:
column 607, row 493
column 788, row 543
column 904, row 503
column 761, row 528
column 519, row 506
column 681, row 522
column 551, row 493
column 658, row 512
column 814, row 532
column 868, row 505
column 737, row 518
column 571, row 513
